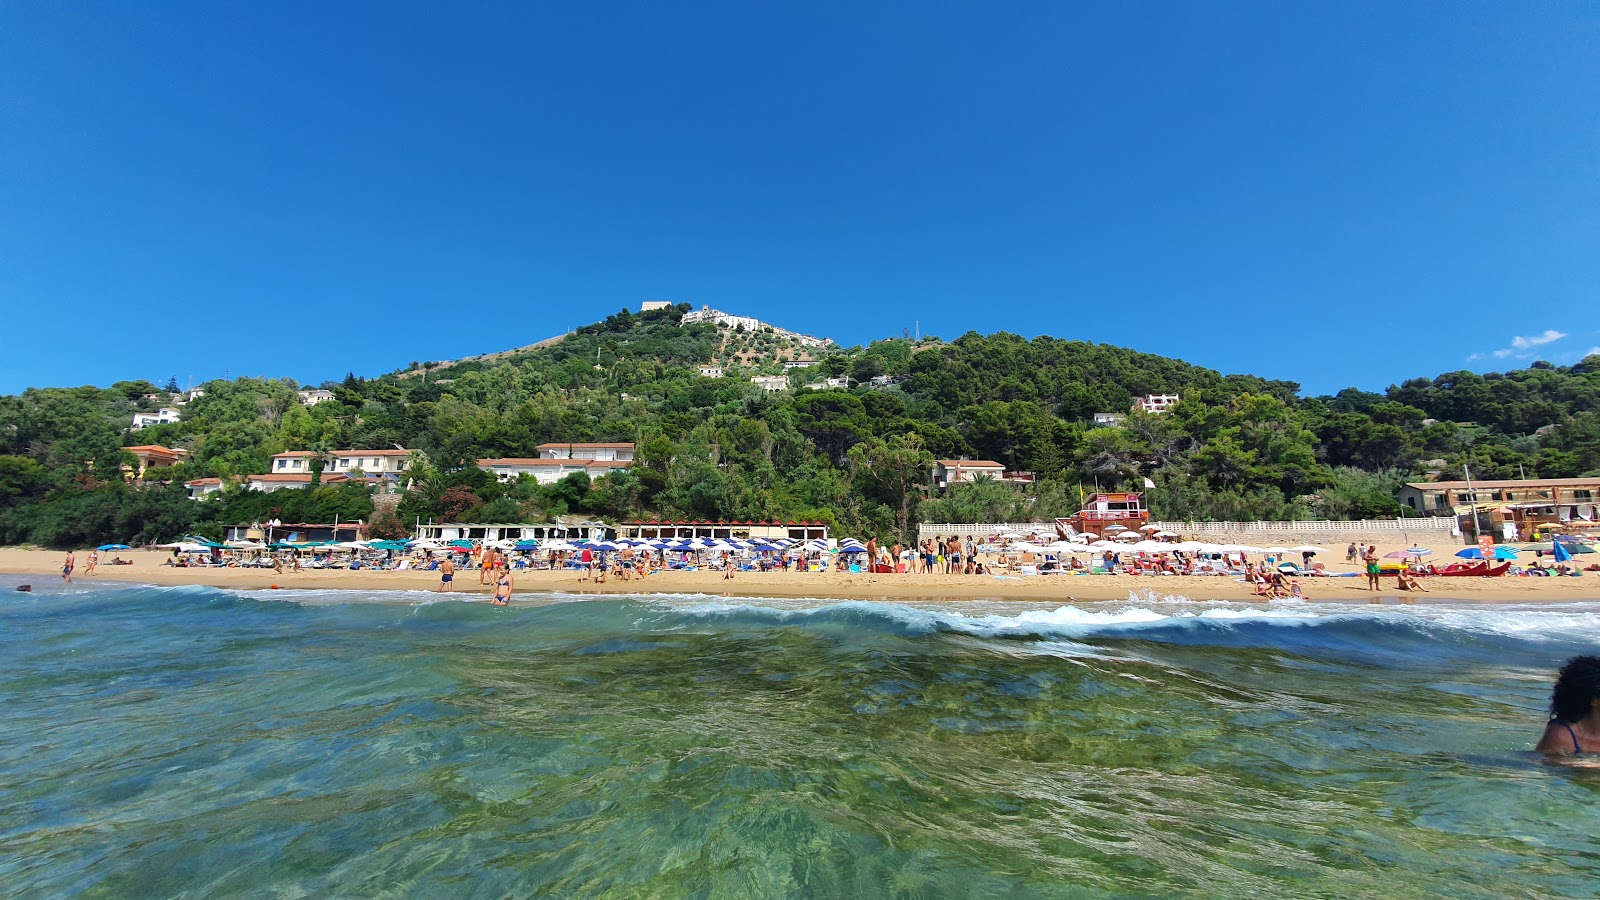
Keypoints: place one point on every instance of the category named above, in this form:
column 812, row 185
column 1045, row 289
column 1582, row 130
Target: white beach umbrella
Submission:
column 1150, row 527
column 1166, row 534
column 1275, row 551
column 1151, row 547
column 1083, row 536
column 1116, row 528
column 1309, row 548
column 1126, row 536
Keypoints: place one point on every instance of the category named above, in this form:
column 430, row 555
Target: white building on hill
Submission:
column 750, row 323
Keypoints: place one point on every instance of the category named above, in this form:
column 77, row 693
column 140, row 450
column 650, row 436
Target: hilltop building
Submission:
column 751, row 324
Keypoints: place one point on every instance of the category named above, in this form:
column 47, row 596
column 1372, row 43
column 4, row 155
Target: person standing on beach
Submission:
column 94, row 560
column 66, row 568
column 1370, row 558
column 447, row 575
column 502, row 589
column 1350, row 552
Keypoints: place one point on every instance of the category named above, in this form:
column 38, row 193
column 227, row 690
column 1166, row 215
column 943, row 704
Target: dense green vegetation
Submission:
column 1236, row 447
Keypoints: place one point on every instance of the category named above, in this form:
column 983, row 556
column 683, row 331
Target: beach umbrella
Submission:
column 1309, row 548
column 526, row 545
column 1166, row 534
column 1571, row 548
column 1408, row 553
column 1275, row 551
column 1116, row 528
column 113, row 547
column 1150, row 527
column 1126, row 536
column 462, row 545
column 1083, row 536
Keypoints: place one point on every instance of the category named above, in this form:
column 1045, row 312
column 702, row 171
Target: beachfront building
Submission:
column 706, row 530
column 710, row 371
column 1101, row 511
column 648, row 305
column 201, row 488
column 1512, row 509
column 562, row 528
column 799, row 364
column 549, row 471
column 1156, row 403
column 1108, row 419
column 151, row 456
column 770, row 382
column 313, row 397
column 368, row 462
column 166, row 415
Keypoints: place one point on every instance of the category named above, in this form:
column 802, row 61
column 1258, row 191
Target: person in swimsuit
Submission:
column 1574, row 725
column 502, row 589
column 94, row 560
column 447, row 574
column 66, row 568
column 1370, row 558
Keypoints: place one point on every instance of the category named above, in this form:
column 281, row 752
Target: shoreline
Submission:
column 147, row 569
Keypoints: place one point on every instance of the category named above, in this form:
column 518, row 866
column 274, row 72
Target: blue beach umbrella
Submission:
column 113, row 547
column 1562, row 554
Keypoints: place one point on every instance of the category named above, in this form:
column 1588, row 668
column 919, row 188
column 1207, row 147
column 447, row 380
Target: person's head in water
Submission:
column 1577, row 688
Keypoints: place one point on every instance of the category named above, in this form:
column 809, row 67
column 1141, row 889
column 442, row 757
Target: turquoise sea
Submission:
column 165, row 742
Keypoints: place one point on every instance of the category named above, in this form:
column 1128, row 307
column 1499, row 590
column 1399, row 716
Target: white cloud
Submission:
column 1523, row 347
column 1550, row 336
column 1593, row 351
column 1475, row 357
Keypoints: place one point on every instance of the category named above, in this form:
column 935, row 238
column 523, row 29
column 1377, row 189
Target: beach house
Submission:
column 313, row 397
column 770, row 382
column 1510, row 508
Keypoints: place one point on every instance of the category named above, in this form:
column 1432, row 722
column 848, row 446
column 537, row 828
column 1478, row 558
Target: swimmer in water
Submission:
column 502, row 589
column 1574, row 725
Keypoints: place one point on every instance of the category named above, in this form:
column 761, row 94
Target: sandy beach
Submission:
column 148, row 568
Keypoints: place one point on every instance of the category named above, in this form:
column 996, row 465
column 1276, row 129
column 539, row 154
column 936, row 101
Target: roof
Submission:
column 305, row 453
column 154, row 449
column 969, row 464
column 1524, row 483
column 558, row 444
column 558, row 463
column 200, row 482
column 297, row 478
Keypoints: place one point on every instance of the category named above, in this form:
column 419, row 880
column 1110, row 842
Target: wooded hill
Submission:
column 1236, row 447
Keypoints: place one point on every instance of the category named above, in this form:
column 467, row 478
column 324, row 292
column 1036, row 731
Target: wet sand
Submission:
column 147, row 568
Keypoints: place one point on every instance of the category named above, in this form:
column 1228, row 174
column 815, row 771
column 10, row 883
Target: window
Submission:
column 1583, row 495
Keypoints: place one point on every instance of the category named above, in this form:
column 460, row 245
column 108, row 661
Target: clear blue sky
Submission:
column 1335, row 194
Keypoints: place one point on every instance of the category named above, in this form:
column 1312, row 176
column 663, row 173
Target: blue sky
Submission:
column 1335, row 194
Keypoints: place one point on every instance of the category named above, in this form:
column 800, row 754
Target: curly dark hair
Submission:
column 1576, row 689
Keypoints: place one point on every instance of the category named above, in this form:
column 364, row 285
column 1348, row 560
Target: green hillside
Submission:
column 1236, row 447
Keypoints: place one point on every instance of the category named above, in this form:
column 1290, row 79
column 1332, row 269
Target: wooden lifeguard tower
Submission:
column 1100, row 511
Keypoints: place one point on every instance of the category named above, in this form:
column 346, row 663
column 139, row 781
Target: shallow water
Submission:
column 191, row 741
